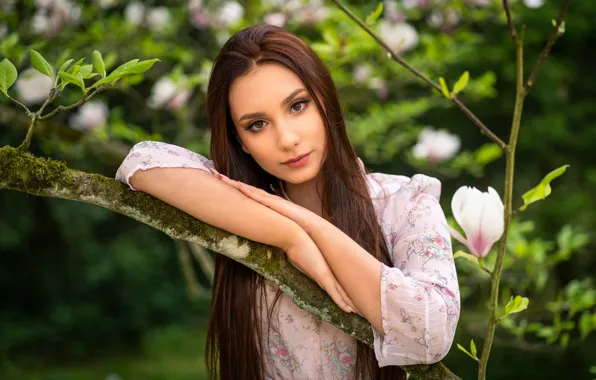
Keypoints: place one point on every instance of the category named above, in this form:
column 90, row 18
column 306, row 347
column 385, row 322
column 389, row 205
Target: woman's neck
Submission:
column 307, row 194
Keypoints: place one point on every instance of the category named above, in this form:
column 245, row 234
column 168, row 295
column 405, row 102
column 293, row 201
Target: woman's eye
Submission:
column 299, row 106
column 257, row 124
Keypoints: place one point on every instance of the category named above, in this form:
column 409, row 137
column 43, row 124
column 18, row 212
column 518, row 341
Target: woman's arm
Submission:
column 200, row 194
column 413, row 305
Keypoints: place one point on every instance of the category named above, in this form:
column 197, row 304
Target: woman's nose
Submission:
column 287, row 137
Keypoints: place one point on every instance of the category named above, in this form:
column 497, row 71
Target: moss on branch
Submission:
column 21, row 171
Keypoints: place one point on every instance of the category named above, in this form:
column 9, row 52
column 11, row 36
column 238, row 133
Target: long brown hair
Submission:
column 234, row 337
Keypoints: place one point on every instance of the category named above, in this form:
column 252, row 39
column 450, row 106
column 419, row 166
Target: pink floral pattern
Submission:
column 420, row 301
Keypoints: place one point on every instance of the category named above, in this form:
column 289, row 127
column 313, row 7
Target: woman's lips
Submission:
column 298, row 163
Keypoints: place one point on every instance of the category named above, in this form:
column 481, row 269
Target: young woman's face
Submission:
column 277, row 120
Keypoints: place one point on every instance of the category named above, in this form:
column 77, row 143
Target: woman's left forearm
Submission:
column 358, row 272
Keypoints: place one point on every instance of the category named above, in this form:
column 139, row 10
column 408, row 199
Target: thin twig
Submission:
column 510, row 20
column 483, row 128
column 21, row 104
column 546, row 51
column 509, row 171
column 80, row 102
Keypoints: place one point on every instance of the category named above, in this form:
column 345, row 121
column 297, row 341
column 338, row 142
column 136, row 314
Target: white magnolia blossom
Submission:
column 436, row 145
column 362, row 72
column 534, row 3
column 134, row 13
column 230, row 13
column 399, row 37
column 41, row 22
column 158, row 18
column 435, row 19
column 167, row 94
column 89, row 116
column 277, row 19
column 33, row 87
column 415, row 3
column 481, row 217
column 314, row 12
column 53, row 14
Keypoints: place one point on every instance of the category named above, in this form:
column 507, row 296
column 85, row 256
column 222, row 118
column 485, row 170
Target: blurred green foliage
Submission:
column 79, row 282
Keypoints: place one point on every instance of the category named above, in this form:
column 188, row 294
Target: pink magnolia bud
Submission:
column 481, row 216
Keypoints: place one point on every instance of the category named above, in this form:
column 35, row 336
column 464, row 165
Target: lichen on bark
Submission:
column 21, row 171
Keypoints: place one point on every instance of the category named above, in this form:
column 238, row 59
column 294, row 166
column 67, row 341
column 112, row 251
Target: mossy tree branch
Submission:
column 21, row 171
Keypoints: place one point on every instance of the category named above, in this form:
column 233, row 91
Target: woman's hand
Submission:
column 302, row 216
column 302, row 252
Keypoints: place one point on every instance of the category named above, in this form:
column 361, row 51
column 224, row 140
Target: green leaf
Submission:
column 100, row 66
column 473, row 348
column 543, row 189
column 461, row 83
column 74, row 79
column 561, row 27
column 77, row 63
column 122, row 69
column 374, row 15
column 40, row 64
column 466, row 256
column 107, row 80
column 466, row 352
column 487, row 153
column 65, row 65
column 444, row 88
column 515, row 305
column 8, row 75
column 142, row 66
column 85, row 70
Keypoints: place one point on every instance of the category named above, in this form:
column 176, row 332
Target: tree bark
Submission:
column 22, row 171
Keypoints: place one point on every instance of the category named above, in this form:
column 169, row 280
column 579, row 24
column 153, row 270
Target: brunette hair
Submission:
column 234, row 337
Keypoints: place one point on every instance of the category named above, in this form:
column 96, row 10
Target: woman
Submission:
column 376, row 243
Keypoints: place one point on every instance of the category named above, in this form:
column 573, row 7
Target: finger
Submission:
column 347, row 299
column 331, row 289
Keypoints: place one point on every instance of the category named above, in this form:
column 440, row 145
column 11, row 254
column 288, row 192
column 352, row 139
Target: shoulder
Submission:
column 390, row 186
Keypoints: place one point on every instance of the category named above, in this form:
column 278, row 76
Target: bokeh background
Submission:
column 90, row 294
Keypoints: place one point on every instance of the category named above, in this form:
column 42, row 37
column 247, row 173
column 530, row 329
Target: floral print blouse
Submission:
column 420, row 301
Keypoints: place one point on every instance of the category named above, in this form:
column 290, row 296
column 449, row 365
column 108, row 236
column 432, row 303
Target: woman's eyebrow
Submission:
column 284, row 102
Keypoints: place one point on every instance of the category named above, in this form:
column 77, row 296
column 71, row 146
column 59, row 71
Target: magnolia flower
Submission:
column 33, row 87
column 481, row 216
column 277, row 19
column 158, row 18
column 230, row 13
column 314, row 12
column 134, row 13
column 534, row 3
column 436, row 146
column 362, row 73
column 415, row 3
column 167, row 94
column 435, row 19
column 90, row 116
column 400, row 37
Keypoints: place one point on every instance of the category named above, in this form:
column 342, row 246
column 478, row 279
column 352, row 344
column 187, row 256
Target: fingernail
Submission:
column 351, row 310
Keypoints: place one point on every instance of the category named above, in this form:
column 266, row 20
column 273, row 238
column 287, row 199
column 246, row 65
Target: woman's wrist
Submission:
column 290, row 234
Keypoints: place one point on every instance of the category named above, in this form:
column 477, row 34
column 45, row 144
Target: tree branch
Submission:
column 21, row 171
column 483, row 128
column 546, row 51
column 507, row 9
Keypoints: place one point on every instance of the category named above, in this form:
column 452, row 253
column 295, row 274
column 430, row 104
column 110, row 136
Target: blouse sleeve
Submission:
column 154, row 154
column 420, row 302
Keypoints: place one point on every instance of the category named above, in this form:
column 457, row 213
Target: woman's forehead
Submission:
column 265, row 86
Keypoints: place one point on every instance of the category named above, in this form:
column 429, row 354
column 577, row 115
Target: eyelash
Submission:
column 303, row 101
